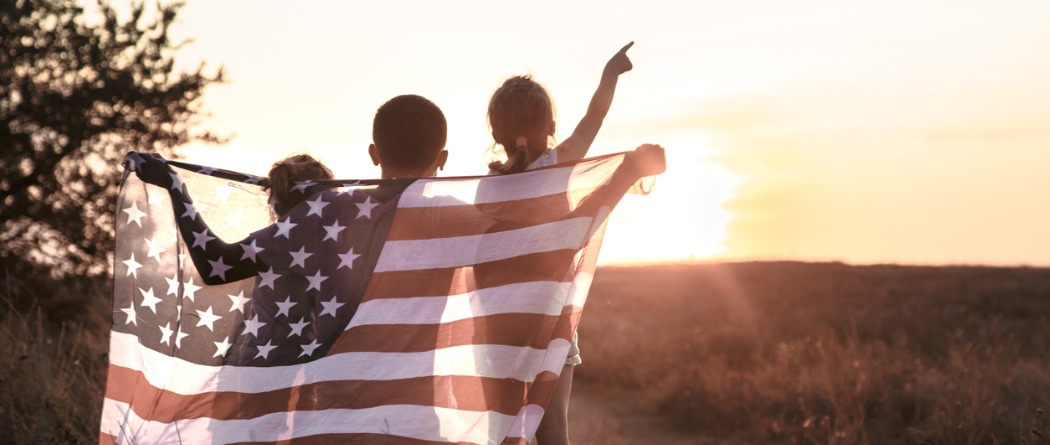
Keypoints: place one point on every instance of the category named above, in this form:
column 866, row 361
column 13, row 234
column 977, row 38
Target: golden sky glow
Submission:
column 899, row 131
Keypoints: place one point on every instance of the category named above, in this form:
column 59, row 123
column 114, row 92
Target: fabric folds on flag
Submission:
column 416, row 311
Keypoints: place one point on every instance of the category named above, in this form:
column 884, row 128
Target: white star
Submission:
column 330, row 307
column 347, row 259
column 250, row 250
column 149, row 300
column 201, row 239
column 235, row 219
column 221, row 347
column 302, row 186
column 297, row 327
column 179, row 336
column 207, row 318
column 252, row 326
column 285, row 306
column 176, row 181
column 365, row 208
column 238, row 301
column 218, row 269
column 130, row 310
column 154, row 249
column 264, row 350
column 299, row 257
column 315, row 281
column 268, row 278
column 165, row 334
column 222, row 192
column 253, row 179
column 310, row 348
column 332, row 231
column 191, row 211
column 134, row 214
column 284, row 228
column 190, row 289
column 133, row 266
column 316, row 206
column 206, row 171
column 173, row 284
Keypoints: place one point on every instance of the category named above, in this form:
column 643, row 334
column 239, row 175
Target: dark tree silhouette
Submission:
column 78, row 90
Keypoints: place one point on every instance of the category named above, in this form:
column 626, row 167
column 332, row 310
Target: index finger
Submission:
column 627, row 47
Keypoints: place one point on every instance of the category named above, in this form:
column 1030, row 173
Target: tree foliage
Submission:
column 79, row 88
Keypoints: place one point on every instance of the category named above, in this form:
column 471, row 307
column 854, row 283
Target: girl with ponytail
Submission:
column 286, row 173
column 521, row 115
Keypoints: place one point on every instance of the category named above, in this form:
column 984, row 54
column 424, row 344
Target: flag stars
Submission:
column 252, row 326
column 133, row 266
column 284, row 306
column 299, row 258
column 284, row 228
column 332, row 232
column 250, row 250
column 235, row 219
column 365, row 208
column 266, row 279
column 222, row 192
column 238, row 301
column 316, row 206
column 165, row 334
column 347, row 259
column 302, row 186
column 330, row 307
column 297, row 327
column 309, row 349
column 201, row 239
column 176, row 181
column 190, row 289
column 207, row 319
column 315, row 281
column 130, row 311
column 149, row 300
column 154, row 249
column 134, row 214
column 191, row 211
column 221, row 347
column 178, row 338
column 219, row 268
column 264, row 350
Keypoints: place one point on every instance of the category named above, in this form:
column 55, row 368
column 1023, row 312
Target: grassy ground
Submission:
column 784, row 353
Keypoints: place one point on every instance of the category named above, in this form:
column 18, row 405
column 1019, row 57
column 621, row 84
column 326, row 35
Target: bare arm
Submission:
column 576, row 146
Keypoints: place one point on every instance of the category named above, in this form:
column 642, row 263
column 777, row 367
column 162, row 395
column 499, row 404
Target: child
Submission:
column 521, row 115
column 283, row 176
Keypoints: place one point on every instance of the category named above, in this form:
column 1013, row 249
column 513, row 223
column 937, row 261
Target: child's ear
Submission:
column 441, row 159
column 373, row 153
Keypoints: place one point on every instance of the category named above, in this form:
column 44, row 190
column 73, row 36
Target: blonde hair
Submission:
column 286, row 173
column 520, row 114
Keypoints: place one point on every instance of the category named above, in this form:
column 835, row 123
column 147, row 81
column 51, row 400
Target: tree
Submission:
column 79, row 89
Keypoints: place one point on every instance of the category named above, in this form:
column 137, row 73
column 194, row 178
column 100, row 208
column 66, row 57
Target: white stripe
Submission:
column 414, row 421
column 182, row 377
column 527, row 421
column 465, row 250
column 538, row 297
column 577, row 181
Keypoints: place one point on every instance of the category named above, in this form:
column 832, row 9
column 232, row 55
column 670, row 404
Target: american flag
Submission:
column 383, row 311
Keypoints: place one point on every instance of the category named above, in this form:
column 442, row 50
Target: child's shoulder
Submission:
column 549, row 157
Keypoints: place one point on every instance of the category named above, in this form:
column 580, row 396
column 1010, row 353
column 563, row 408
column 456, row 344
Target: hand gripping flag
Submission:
column 415, row 311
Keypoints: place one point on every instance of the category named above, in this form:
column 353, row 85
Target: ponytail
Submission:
column 521, row 115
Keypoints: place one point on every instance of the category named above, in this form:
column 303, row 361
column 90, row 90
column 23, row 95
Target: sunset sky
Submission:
column 910, row 132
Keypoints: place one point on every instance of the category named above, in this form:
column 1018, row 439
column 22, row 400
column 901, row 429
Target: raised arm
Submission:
column 216, row 261
column 576, row 146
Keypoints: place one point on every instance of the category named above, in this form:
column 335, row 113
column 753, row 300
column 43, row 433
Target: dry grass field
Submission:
column 744, row 353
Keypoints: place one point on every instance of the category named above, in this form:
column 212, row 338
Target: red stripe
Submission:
column 546, row 266
column 479, row 219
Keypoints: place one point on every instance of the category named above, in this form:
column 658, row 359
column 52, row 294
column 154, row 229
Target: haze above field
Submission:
column 876, row 132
